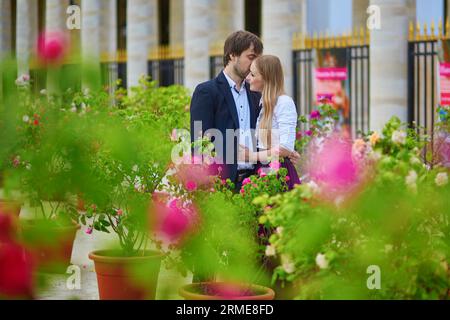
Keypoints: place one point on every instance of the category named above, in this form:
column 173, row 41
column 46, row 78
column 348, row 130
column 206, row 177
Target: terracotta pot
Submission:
column 10, row 207
column 126, row 278
column 51, row 246
column 225, row 291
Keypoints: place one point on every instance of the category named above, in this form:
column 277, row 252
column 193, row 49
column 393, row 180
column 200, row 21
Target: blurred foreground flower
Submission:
column 172, row 221
column 52, row 47
column 332, row 166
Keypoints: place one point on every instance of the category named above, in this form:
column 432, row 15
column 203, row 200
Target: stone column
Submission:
column 228, row 17
column 196, row 42
column 359, row 8
column 90, row 41
column 299, row 16
column 108, row 40
column 5, row 29
column 277, row 35
column 176, row 22
column 389, row 62
column 26, row 33
column 142, row 37
column 55, row 15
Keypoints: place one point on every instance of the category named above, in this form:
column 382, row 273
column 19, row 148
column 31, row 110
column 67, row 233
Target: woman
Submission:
column 277, row 121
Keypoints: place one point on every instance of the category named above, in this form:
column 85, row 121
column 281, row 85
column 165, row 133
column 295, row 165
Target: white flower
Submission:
column 321, row 261
column 410, row 180
column 270, row 251
column 135, row 168
column 73, row 109
column 28, row 166
column 338, row 201
column 375, row 155
column 399, row 137
column 315, row 189
column 25, row 118
column 280, row 230
column 287, row 264
column 441, row 179
column 83, row 106
column 43, row 92
column 414, row 160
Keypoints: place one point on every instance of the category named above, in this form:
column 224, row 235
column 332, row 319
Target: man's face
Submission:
column 241, row 64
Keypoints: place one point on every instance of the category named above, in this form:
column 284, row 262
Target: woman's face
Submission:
column 255, row 79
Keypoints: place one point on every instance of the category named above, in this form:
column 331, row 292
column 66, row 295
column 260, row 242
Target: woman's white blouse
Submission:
column 284, row 124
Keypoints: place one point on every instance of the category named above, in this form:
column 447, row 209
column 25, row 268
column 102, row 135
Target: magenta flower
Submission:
column 288, row 178
column 52, row 47
column 173, row 221
column 308, row 133
column 315, row 114
column 246, row 181
column 191, row 186
column 275, row 165
column 89, row 230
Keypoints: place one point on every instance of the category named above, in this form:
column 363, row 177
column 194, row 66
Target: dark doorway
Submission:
column 253, row 10
column 163, row 21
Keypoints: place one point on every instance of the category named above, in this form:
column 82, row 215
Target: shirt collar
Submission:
column 232, row 84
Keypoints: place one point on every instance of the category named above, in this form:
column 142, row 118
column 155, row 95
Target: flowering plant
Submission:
column 396, row 222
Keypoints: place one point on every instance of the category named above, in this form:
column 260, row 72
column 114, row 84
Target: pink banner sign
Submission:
column 337, row 74
column 444, row 72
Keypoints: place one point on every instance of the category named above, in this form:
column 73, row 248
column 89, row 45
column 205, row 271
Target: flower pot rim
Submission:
column 103, row 257
column 186, row 293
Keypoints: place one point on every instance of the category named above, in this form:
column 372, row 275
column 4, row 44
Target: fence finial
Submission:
column 440, row 29
column 433, row 30
column 411, row 31
column 425, row 31
column 447, row 27
column 418, row 31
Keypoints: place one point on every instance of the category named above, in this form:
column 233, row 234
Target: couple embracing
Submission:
column 247, row 97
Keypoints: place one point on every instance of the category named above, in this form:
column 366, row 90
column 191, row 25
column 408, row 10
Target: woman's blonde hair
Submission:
column 272, row 73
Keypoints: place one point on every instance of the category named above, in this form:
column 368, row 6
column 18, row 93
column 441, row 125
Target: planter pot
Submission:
column 10, row 207
column 126, row 278
column 50, row 245
column 225, row 291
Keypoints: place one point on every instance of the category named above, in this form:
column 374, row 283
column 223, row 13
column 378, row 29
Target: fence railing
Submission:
column 354, row 56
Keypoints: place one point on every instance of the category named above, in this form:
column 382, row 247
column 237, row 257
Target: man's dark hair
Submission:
column 238, row 42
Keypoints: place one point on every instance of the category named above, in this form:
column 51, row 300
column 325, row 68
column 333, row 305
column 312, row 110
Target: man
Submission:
column 226, row 103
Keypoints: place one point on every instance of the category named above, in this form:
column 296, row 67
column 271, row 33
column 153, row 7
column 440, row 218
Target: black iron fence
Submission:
column 423, row 77
column 351, row 52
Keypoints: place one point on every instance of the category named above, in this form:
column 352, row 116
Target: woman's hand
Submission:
column 243, row 153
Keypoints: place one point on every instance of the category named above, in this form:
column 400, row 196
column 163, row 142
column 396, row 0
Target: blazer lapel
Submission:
column 225, row 89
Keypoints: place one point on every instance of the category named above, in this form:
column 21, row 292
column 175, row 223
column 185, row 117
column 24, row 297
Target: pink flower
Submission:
column 246, row 181
column 299, row 135
column 242, row 191
column 262, row 173
column 16, row 161
column 333, row 166
column 308, row 133
column 174, row 135
column 315, row 114
column 52, row 47
column 174, row 221
column 119, row 212
column 275, row 165
column 191, row 186
column 288, row 178
column 89, row 230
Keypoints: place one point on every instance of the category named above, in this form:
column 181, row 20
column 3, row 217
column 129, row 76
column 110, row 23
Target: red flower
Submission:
column 36, row 122
column 16, row 271
column 6, row 227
